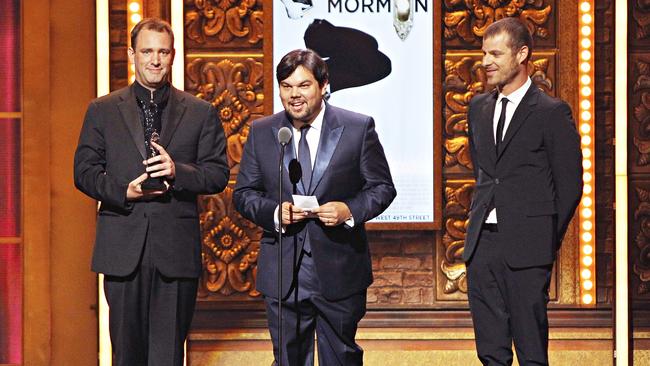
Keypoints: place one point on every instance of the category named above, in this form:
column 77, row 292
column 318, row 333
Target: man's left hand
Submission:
column 333, row 213
column 161, row 165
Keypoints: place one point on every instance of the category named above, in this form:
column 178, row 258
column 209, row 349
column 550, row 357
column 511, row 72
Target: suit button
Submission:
column 496, row 181
column 299, row 239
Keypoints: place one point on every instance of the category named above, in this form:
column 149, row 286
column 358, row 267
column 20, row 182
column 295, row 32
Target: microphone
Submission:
column 284, row 135
column 295, row 171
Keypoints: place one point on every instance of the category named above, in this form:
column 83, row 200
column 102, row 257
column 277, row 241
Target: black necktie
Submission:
column 501, row 123
column 304, row 157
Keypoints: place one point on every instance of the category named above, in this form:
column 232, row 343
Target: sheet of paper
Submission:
column 307, row 203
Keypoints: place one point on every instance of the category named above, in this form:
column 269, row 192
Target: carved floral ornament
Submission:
column 224, row 19
column 642, row 113
column 468, row 19
column 641, row 16
column 229, row 253
column 464, row 79
column 456, row 210
column 642, row 261
column 235, row 89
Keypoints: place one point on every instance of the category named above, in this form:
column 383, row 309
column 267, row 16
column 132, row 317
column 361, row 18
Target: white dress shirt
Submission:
column 514, row 99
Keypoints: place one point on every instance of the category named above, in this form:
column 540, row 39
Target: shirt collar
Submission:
column 516, row 96
column 160, row 95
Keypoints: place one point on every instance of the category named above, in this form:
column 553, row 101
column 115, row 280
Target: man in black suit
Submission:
column 344, row 167
column 528, row 168
column 148, row 240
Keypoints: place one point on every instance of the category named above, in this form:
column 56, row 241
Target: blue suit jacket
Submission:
column 350, row 166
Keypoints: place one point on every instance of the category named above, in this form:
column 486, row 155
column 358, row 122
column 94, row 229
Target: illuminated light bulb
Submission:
column 586, row 116
column 585, row 67
column 585, row 6
column 587, row 249
column 587, row 202
column 132, row 79
column 586, row 213
column 587, row 285
column 134, row 7
column 585, row 30
column 585, row 79
column 585, row 43
column 587, row 225
column 587, row 261
column 586, row 274
column 586, row 152
column 586, row 91
column 585, row 55
column 586, row 237
column 586, row 18
column 586, row 164
column 585, row 104
column 136, row 18
column 586, row 140
column 585, row 128
column 587, row 299
column 587, row 189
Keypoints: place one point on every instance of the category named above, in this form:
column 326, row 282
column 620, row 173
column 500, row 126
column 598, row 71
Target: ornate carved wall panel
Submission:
column 223, row 24
column 224, row 65
column 465, row 21
column 639, row 102
column 640, row 236
column 639, row 23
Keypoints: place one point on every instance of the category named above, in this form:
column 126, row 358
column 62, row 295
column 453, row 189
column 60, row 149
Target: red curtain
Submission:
column 10, row 170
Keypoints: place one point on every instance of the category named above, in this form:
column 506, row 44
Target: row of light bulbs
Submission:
column 587, row 263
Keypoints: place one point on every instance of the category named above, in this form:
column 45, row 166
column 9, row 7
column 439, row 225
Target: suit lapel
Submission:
column 289, row 153
column 486, row 128
column 172, row 116
column 131, row 117
column 329, row 139
column 524, row 109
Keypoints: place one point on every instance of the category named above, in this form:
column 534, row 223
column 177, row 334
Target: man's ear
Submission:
column 522, row 55
column 131, row 53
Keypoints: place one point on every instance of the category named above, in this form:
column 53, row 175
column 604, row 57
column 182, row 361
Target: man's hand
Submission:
column 292, row 214
column 333, row 213
column 161, row 165
column 134, row 191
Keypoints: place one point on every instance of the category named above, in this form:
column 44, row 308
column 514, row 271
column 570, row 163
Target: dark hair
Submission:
column 305, row 58
column 154, row 24
column 516, row 30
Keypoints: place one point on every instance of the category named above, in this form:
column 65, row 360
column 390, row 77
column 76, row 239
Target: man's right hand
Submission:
column 134, row 191
column 292, row 214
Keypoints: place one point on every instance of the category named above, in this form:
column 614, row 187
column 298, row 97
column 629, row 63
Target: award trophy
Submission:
column 153, row 183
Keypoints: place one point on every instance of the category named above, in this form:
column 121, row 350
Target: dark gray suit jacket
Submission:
column 535, row 180
column 109, row 156
column 350, row 167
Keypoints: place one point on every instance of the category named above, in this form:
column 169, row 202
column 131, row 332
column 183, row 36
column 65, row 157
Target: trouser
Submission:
column 307, row 311
column 507, row 304
column 149, row 315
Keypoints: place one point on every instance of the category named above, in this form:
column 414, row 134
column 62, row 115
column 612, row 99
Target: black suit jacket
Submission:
column 350, row 167
column 109, row 156
column 535, row 180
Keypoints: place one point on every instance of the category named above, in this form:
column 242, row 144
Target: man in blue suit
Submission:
column 326, row 262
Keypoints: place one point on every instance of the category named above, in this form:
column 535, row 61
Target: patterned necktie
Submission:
column 501, row 123
column 304, row 157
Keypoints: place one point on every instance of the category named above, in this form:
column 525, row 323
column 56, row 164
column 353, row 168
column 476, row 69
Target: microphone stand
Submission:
column 280, row 171
column 295, row 174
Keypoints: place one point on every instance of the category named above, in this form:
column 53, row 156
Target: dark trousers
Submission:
column 507, row 305
column 149, row 315
column 334, row 322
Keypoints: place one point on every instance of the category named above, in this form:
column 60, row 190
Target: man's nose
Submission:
column 155, row 59
column 295, row 91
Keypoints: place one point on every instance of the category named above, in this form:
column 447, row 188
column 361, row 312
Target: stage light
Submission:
column 586, row 164
column 586, row 140
column 585, row 104
column 585, row 67
column 586, row 91
column 587, row 249
column 587, row 188
column 587, row 299
column 585, row 128
column 587, row 285
column 586, row 237
column 585, row 274
column 134, row 14
column 587, row 261
column 586, row 213
column 586, row 116
column 585, row 43
column 586, row 152
column 587, row 200
column 587, row 225
column 585, row 6
column 586, row 30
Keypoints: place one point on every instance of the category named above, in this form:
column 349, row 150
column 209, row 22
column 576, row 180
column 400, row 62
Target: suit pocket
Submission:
column 542, row 208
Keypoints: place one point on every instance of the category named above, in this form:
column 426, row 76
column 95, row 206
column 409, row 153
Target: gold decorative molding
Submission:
column 224, row 23
column 465, row 21
column 236, row 89
column 230, row 246
column 457, row 202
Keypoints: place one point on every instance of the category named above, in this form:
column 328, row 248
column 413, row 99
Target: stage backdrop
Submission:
column 381, row 64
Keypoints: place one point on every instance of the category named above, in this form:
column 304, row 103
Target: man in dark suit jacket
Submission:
column 528, row 169
column 148, row 241
column 326, row 263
